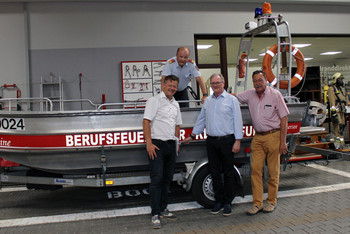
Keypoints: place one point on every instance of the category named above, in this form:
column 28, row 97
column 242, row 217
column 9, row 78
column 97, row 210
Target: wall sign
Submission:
column 141, row 79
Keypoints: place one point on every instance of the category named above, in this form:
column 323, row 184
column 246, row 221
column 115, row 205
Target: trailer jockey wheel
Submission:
column 202, row 189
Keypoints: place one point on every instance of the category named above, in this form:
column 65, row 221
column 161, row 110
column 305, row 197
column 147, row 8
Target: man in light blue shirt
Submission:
column 184, row 68
column 221, row 117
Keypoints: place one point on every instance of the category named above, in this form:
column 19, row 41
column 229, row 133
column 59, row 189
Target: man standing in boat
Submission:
column 184, row 68
column 161, row 128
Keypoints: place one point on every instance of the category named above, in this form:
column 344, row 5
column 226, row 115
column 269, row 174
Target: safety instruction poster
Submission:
column 141, row 79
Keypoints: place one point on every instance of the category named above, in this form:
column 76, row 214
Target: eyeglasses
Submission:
column 215, row 83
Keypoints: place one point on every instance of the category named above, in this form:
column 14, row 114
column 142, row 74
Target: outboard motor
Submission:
column 315, row 114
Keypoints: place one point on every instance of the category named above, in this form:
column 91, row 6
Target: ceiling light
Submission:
column 308, row 59
column 251, row 59
column 262, row 54
column 203, row 47
column 301, row 45
column 331, row 53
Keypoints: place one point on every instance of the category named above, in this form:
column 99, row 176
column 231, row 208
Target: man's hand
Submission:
column 236, row 146
column 151, row 150
column 187, row 140
column 203, row 99
column 283, row 148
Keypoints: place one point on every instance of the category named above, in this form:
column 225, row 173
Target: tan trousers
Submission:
column 335, row 126
column 265, row 147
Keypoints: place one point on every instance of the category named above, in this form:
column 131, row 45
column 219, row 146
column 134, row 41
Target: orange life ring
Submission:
column 299, row 74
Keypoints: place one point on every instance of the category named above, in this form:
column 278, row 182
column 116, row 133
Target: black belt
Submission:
column 221, row 137
column 167, row 141
column 184, row 90
column 268, row 132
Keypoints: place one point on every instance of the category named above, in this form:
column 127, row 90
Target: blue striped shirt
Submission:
column 220, row 116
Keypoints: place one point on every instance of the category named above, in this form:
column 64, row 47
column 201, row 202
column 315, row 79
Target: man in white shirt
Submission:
column 161, row 127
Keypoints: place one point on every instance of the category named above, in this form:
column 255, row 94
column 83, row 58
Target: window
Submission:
column 223, row 53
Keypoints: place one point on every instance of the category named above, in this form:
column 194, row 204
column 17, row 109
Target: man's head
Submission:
column 259, row 81
column 217, row 83
column 171, row 83
column 337, row 79
column 182, row 55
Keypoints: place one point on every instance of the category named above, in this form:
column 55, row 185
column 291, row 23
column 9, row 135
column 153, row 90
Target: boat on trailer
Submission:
column 77, row 142
column 105, row 146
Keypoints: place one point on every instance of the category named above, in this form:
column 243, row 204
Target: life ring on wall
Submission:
column 299, row 74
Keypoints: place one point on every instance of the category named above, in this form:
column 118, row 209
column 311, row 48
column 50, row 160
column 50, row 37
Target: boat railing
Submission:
column 95, row 106
column 135, row 105
column 47, row 104
column 13, row 102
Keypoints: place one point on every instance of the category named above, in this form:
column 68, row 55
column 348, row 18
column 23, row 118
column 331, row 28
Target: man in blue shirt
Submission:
column 184, row 68
column 221, row 117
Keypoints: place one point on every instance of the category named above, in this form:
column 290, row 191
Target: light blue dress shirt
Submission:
column 220, row 116
column 183, row 73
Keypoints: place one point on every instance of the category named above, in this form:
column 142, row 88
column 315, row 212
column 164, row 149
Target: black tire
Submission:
column 202, row 188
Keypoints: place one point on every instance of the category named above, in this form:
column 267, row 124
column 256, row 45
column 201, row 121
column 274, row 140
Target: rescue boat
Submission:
column 84, row 141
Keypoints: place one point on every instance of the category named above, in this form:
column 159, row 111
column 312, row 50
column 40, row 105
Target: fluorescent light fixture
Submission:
column 251, row 59
column 262, row 54
column 301, row 45
column 203, row 47
column 308, row 59
column 331, row 52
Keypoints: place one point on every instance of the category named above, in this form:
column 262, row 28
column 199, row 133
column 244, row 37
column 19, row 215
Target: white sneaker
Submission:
column 156, row 224
column 168, row 215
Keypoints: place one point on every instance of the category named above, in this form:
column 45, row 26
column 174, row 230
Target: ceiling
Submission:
column 338, row 2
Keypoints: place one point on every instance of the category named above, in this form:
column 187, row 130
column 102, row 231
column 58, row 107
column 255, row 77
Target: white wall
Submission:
column 12, row 48
column 111, row 24
column 77, row 26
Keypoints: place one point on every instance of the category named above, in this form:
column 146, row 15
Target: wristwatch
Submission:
column 192, row 136
column 205, row 95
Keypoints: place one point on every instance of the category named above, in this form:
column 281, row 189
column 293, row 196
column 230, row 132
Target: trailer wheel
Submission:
column 202, row 188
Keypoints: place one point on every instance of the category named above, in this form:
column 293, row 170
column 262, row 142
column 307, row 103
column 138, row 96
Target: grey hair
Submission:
column 219, row 75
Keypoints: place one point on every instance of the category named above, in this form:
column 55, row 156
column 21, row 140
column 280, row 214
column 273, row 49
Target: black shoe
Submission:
column 217, row 208
column 240, row 192
column 227, row 210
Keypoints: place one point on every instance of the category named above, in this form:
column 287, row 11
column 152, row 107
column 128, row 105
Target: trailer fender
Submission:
column 191, row 171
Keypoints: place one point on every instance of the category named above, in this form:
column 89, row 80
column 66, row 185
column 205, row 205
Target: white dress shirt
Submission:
column 164, row 115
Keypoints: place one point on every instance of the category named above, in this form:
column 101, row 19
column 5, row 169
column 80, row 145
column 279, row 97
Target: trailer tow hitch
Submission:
column 103, row 161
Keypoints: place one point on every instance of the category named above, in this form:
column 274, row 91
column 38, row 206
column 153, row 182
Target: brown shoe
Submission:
column 269, row 208
column 254, row 210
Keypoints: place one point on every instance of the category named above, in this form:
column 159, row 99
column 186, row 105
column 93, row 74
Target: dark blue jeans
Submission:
column 182, row 95
column 221, row 162
column 161, row 173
